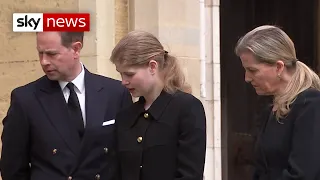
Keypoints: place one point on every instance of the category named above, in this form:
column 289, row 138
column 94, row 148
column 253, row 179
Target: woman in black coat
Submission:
column 288, row 145
column 163, row 135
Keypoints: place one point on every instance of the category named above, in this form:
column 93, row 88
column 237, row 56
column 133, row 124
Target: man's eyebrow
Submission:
column 48, row 50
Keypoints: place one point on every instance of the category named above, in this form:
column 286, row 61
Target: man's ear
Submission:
column 153, row 66
column 76, row 46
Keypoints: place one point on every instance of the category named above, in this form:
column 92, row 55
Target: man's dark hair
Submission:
column 67, row 38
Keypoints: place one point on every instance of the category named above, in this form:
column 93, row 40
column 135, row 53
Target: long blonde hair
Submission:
column 270, row 44
column 139, row 47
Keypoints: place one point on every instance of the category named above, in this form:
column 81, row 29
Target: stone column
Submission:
column 143, row 15
column 121, row 19
column 100, row 41
column 212, row 101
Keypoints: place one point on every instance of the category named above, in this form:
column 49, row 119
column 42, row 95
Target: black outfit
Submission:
column 165, row 142
column 41, row 142
column 289, row 149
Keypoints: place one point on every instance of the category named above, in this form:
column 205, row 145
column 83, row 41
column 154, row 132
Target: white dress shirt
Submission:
column 79, row 88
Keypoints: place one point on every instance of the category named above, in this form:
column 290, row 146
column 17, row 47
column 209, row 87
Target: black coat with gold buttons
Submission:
column 165, row 142
column 38, row 132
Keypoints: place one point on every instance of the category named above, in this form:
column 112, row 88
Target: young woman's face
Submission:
column 138, row 80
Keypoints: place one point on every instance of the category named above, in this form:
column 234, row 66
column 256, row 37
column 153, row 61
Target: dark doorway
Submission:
column 240, row 104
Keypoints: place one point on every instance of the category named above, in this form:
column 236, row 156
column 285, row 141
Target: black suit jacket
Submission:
column 166, row 142
column 290, row 149
column 37, row 131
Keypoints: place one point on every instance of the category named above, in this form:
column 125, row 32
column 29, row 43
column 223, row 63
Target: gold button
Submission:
column 105, row 150
column 146, row 115
column 98, row 176
column 69, row 178
column 54, row 151
column 139, row 139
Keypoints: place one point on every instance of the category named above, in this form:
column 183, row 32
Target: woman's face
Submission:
column 263, row 77
column 137, row 79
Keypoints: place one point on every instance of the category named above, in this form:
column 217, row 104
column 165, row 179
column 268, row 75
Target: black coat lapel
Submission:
column 96, row 108
column 96, row 104
column 52, row 100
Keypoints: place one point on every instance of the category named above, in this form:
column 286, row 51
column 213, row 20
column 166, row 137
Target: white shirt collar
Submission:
column 78, row 81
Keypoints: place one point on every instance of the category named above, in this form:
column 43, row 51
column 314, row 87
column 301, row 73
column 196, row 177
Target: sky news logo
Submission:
column 41, row 22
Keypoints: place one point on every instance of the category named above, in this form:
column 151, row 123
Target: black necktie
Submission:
column 75, row 110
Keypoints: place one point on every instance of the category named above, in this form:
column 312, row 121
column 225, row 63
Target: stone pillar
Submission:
column 143, row 15
column 179, row 32
column 100, row 41
column 212, row 101
column 121, row 19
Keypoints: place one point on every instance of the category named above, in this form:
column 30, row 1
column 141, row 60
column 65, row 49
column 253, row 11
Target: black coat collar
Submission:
column 155, row 111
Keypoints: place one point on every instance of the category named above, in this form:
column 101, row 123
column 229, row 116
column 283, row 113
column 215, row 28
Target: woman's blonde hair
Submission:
column 270, row 44
column 137, row 48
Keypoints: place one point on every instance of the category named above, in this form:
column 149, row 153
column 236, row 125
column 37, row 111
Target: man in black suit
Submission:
column 61, row 126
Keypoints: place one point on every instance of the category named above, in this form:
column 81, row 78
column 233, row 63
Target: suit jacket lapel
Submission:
column 52, row 100
column 96, row 106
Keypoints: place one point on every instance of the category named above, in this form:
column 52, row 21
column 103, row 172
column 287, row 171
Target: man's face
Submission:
column 58, row 62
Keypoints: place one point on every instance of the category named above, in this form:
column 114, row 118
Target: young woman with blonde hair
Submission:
column 163, row 135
